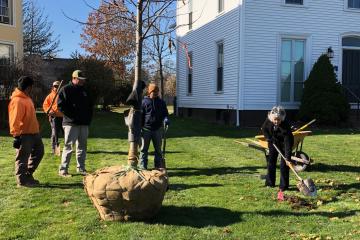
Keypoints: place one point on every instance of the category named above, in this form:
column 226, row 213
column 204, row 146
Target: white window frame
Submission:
column 190, row 15
column 11, row 14
column 343, row 35
column 189, row 90
column 307, row 60
column 221, row 3
column 217, row 91
column 304, row 5
column 347, row 8
column 13, row 45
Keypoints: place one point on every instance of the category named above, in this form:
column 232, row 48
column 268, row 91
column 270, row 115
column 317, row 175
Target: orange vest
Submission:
column 47, row 103
column 22, row 115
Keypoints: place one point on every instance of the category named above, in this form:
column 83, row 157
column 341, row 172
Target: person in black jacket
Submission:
column 154, row 115
column 277, row 130
column 76, row 105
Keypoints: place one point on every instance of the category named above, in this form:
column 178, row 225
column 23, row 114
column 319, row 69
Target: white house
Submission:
column 249, row 55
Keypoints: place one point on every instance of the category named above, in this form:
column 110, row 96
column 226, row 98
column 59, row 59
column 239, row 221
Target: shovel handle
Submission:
column 305, row 126
column 287, row 162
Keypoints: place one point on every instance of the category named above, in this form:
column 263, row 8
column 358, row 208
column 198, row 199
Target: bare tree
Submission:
column 39, row 37
column 160, row 49
column 145, row 14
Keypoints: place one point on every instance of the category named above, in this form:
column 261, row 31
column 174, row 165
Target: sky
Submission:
column 68, row 30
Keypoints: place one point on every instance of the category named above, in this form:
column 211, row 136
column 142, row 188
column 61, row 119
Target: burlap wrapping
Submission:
column 123, row 193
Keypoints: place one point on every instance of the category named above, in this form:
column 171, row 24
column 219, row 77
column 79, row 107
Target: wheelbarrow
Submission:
column 299, row 158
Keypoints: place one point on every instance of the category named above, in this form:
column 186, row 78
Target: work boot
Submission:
column 82, row 171
column 65, row 174
column 32, row 180
column 27, row 184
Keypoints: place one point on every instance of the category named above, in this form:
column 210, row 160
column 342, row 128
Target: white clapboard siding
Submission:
column 251, row 66
column 208, row 30
column 324, row 23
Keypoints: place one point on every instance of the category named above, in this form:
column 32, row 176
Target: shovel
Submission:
column 307, row 186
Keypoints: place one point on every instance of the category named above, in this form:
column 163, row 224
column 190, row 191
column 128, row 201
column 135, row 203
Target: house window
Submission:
column 6, row 54
column 6, row 11
column 190, row 14
column 297, row 2
column 220, row 67
column 292, row 70
column 221, row 6
column 190, row 73
column 354, row 4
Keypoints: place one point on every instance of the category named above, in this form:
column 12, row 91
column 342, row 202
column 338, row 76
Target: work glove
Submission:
column 166, row 122
column 17, row 142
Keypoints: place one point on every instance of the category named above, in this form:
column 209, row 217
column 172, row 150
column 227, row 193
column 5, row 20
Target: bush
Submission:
column 323, row 97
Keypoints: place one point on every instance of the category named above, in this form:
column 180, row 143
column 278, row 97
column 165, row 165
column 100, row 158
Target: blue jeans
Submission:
column 146, row 137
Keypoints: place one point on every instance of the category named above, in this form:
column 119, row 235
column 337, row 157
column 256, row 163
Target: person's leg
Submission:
column 58, row 129
column 53, row 134
column 36, row 156
column 271, row 167
column 156, row 137
column 284, row 175
column 21, row 159
column 37, row 153
column 81, row 145
column 70, row 135
column 145, row 138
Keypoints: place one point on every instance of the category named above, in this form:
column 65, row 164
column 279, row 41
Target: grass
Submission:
column 215, row 191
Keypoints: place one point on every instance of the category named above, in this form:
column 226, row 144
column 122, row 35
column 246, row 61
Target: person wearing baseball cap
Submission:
column 77, row 106
column 55, row 117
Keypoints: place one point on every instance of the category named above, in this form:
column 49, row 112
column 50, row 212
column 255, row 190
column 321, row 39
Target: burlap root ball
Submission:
column 124, row 194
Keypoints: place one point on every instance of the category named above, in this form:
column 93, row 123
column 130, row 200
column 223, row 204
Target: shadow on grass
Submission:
column 197, row 217
column 180, row 187
column 61, row 185
column 183, row 172
column 107, row 152
column 321, row 167
column 280, row 213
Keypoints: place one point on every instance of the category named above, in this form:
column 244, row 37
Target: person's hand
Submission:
column 17, row 142
column 166, row 122
column 52, row 114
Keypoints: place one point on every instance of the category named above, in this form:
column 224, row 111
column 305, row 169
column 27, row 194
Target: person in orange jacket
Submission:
column 55, row 118
column 24, row 127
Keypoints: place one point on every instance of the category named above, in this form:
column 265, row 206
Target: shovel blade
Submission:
column 307, row 187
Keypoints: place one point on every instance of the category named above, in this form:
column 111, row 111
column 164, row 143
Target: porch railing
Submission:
column 353, row 98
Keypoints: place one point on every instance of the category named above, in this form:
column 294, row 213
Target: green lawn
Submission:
column 215, row 191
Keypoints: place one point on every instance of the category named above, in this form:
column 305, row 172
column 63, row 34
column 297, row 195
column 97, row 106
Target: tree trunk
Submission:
column 134, row 133
column 161, row 77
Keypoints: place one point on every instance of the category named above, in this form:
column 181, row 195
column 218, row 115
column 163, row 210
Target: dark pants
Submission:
column 271, row 169
column 28, row 156
column 156, row 137
column 56, row 129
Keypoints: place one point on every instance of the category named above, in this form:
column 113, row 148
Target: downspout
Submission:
column 241, row 74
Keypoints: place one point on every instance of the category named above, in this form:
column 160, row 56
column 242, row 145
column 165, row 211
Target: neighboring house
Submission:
column 53, row 69
column 11, row 49
column 249, row 55
column 11, row 35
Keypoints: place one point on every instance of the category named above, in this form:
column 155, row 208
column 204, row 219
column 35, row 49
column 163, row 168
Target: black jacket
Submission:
column 154, row 111
column 281, row 136
column 76, row 105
